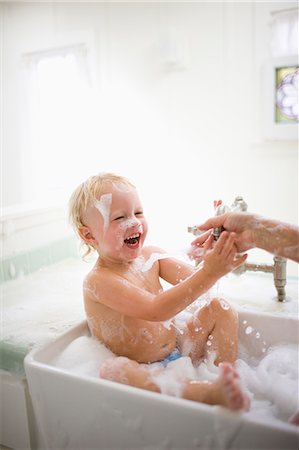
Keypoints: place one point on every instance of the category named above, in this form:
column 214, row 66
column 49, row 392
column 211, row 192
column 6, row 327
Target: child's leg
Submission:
column 214, row 327
column 126, row 371
column 224, row 391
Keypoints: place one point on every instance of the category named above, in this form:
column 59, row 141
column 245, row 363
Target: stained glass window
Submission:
column 286, row 89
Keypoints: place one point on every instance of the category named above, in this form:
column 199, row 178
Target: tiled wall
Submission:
column 24, row 263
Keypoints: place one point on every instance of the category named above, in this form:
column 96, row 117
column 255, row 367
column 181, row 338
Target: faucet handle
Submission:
column 239, row 204
column 217, row 203
column 219, row 209
column 194, row 230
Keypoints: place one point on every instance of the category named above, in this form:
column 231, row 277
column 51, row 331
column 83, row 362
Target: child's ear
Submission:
column 86, row 235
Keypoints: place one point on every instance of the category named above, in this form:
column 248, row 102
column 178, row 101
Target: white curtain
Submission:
column 59, row 126
column 284, row 33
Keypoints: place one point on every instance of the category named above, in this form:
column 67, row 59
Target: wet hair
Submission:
column 86, row 194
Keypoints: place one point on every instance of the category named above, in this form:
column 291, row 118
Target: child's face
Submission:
column 117, row 224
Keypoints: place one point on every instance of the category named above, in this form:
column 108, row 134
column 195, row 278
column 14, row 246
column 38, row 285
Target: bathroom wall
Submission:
column 179, row 93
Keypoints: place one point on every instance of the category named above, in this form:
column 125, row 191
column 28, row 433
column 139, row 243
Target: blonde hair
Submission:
column 86, row 195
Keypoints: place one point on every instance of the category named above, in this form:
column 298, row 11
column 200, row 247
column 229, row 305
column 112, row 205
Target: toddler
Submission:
column 127, row 308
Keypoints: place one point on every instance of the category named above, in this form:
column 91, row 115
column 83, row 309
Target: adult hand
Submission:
column 240, row 223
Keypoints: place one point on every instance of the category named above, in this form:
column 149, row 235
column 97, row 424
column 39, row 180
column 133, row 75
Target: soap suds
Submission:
column 153, row 258
column 103, row 206
column 270, row 380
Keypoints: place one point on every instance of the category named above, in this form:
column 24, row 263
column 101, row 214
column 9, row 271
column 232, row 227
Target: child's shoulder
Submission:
column 95, row 272
column 150, row 249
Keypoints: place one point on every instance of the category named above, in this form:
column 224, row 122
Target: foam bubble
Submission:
column 272, row 382
column 248, row 330
column 131, row 223
column 224, row 304
column 168, row 384
column 153, row 258
column 103, row 206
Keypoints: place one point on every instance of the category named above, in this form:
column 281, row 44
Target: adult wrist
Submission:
column 255, row 228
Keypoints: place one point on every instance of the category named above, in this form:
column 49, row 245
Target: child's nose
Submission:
column 134, row 222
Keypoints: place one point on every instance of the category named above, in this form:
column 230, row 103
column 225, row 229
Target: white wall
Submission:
column 179, row 94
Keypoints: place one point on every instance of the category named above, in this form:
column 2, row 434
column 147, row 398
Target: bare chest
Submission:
column 149, row 280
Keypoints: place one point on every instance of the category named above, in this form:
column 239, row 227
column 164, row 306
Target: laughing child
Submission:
column 127, row 308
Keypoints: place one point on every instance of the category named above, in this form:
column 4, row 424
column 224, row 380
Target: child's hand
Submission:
column 220, row 259
column 196, row 251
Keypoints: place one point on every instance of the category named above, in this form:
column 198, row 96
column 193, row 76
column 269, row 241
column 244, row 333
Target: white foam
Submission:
column 153, row 258
column 84, row 356
column 271, row 381
column 103, row 206
column 169, row 383
column 126, row 224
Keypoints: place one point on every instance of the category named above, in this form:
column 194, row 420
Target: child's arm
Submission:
column 170, row 269
column 123, row 296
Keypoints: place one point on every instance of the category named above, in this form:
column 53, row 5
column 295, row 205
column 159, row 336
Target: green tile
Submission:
column 19, row 265
column 73, row 249
column 12, row 268
column 38, row 258
column 57, row 251
column 24, row 263
column 5, row 270
column 62, row 249
column 2, row 279
column 12, row 357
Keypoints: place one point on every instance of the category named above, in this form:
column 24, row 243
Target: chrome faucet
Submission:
column 278, row 268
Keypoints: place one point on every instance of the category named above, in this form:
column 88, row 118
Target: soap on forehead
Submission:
column 103, row 206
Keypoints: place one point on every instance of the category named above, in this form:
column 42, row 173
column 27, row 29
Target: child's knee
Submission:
column 222, row 307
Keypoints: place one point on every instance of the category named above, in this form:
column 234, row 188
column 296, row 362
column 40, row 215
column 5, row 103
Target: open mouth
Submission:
column 133, row 240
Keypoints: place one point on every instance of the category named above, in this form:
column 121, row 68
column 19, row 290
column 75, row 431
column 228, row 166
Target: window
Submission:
column 284, row 32
column 286, row 85
column 281, row 78
column 60, row 122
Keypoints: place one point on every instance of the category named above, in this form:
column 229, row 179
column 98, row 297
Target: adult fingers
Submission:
column 213, row 222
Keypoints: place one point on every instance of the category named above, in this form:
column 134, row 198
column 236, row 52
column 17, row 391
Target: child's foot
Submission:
column 233, row 396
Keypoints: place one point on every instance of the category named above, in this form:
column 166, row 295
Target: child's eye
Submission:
column 118, row 218
column 139, row 213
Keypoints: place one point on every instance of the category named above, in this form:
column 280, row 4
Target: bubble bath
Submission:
column 270, row 379
column 267, row 363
